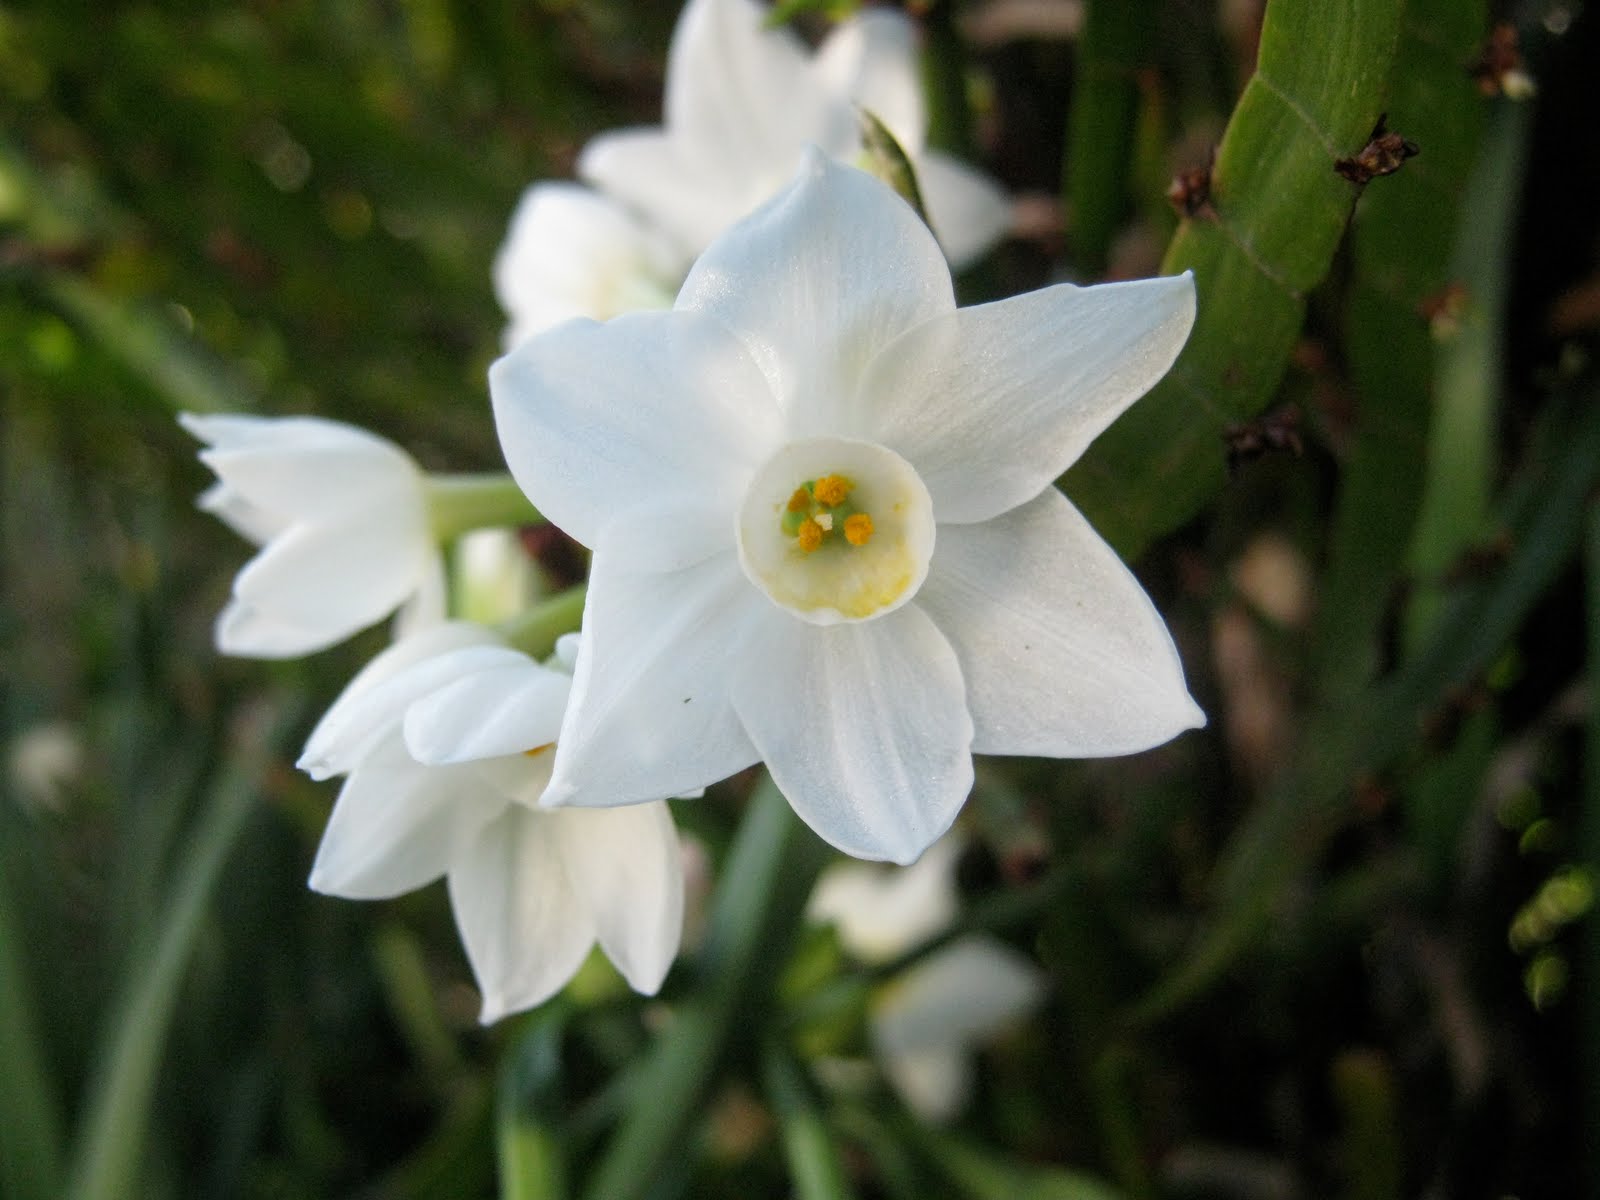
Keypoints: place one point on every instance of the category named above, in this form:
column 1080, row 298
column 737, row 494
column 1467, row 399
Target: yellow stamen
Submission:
column 832, row 489
column 858, row 529
column 800, row 501
column 538, row 750
column 810, row 535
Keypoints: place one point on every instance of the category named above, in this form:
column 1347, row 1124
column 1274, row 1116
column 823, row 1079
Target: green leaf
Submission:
column 30, row 1118
column 758, row 905
column 1116, row 42
column 1461, row 450
column 1281, row 210
column 808, row 1144
column 111, row 1143
column 1402, row 244
column 531, row 1150
column 1543, row 511
column 984, row 1175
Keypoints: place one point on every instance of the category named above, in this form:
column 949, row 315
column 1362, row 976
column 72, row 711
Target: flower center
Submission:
column 834, row 530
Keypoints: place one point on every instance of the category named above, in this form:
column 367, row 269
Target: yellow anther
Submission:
column 538, row 750
column 832, row 489
column 810, row 535
column 800, row 501
column 858, row 529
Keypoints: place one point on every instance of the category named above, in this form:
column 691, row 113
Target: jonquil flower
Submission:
column 572, row 252
column 926, row 1023
column 744, row 100
column 824, row 528
column 342, row 520
column 446, row 738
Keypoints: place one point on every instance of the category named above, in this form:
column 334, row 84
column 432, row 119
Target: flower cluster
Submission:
column 820, row 500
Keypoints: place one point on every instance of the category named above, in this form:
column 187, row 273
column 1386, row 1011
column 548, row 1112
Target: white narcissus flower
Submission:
column 572, row 252
column 824, row 528
column 341, row 517
column 744, row 100
column 927, row 1023
column 446, row 739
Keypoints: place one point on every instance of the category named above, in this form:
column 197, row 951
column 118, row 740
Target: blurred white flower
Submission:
column 341, row 517
column 446, row 739
column 744, row 100
column 572, row 252
column 927, row 1023
column 45, row 762
column 762, row 472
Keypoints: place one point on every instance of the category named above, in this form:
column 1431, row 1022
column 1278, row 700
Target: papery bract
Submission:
column 446, row 739
column 342, row 521
column 743, row 100
column 824, row 528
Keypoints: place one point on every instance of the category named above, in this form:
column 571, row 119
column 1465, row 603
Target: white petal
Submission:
column 737, row 89
column 524, row 930
column 870, row 62
column 935, row 1081
column 692, row 201
column 651, row 713
column 816, row 282
column 968, row 210
column 571, row 252
column 625, row 865
column 992, row 403
column 508, row 708
column 375, row 701
column 246, row 631
column 1062, row 651
column 961, row 996
column 338, row 576
column 239, row 515
column 863, row 726
column 304, row 467
column 427, row 606
column 881, row 912
column 651, row 405
column 397, row 824
column 927, row 1022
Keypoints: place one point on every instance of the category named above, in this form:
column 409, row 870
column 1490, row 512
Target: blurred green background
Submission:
column 1335, row 945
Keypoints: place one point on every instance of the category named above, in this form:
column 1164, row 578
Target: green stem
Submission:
column 112, row 1139
column 757, row 908
column 535, row 631
column 458, row 504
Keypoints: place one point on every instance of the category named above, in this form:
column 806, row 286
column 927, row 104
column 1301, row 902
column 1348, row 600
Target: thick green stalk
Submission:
column 111, row 1142
column 1280, row 210
column 758, row 906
